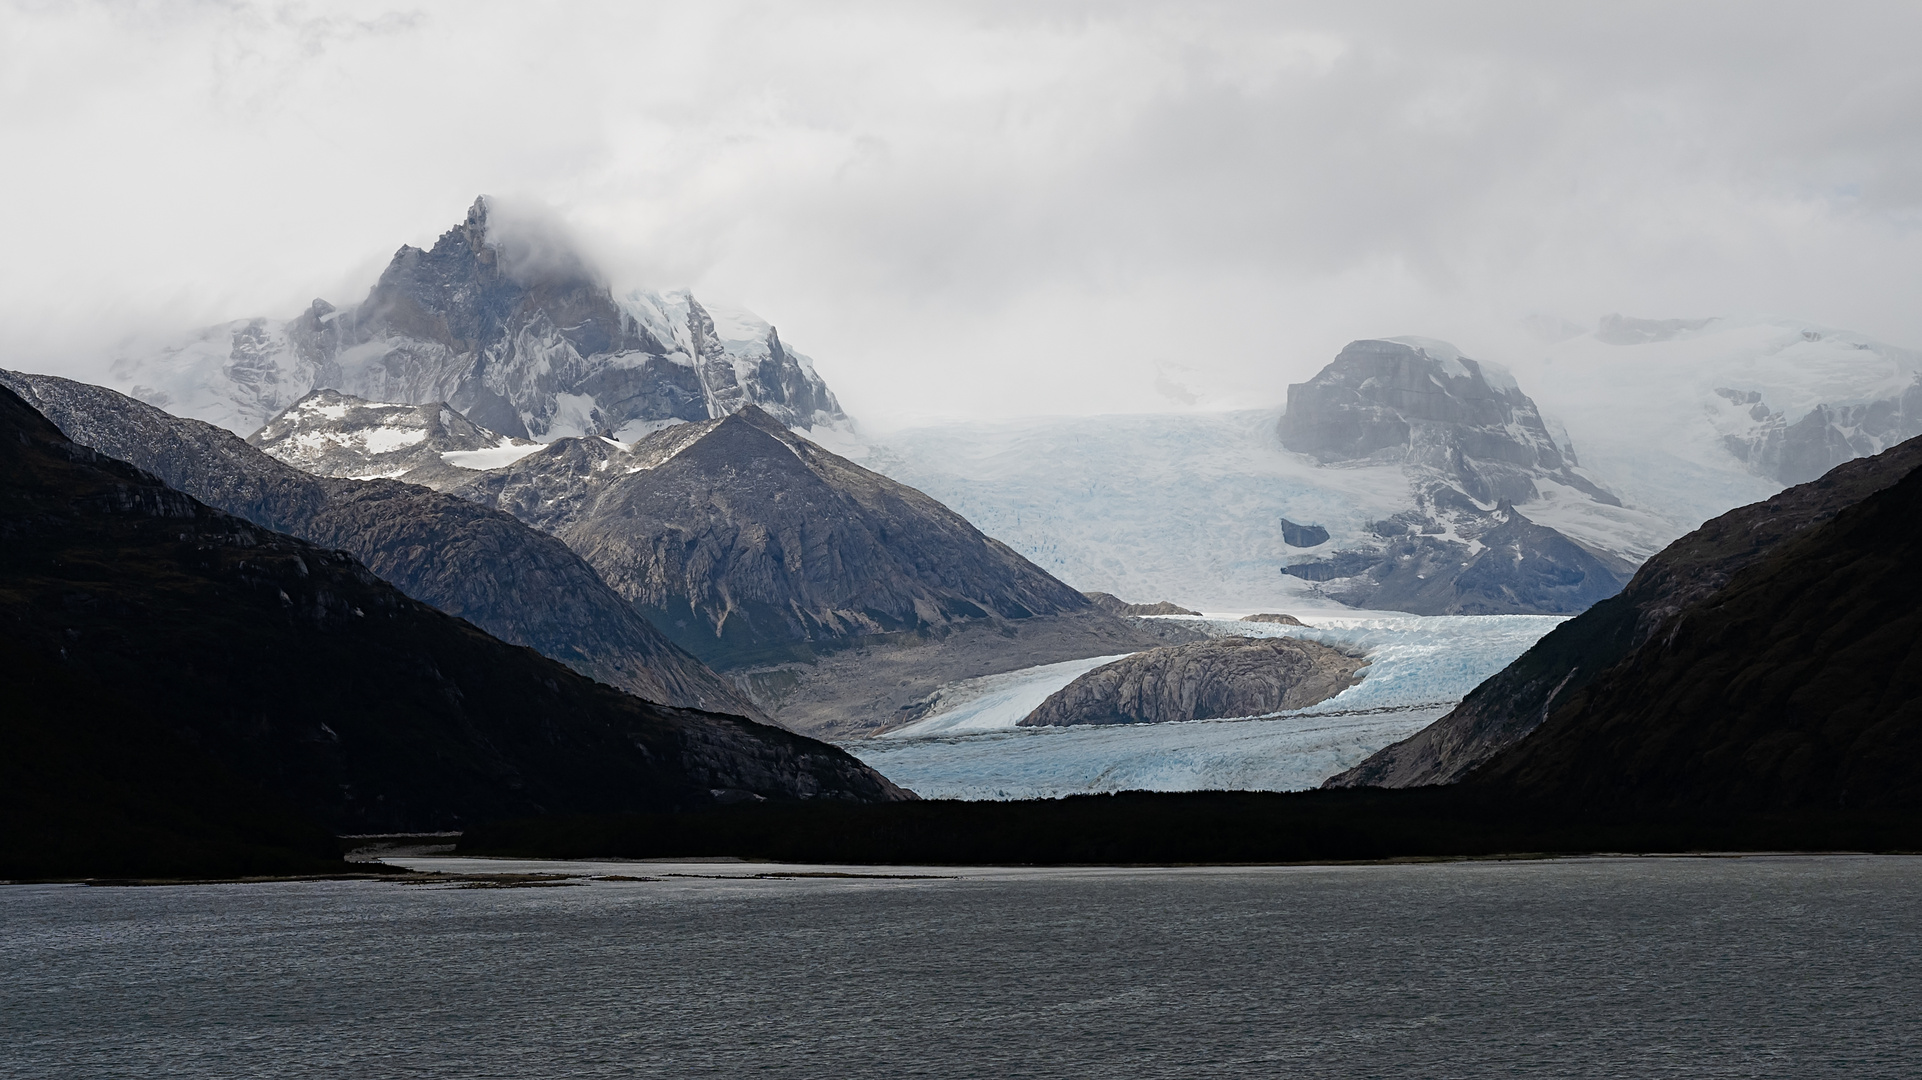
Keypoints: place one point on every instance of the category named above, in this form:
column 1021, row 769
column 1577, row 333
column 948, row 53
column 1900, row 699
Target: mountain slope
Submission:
column 1797, row 685
column 1501, row 711
column 505, row 321
column 738, row 537
column 1464, row 434
column 328, row 433
column 311, row 682
column 512, row 581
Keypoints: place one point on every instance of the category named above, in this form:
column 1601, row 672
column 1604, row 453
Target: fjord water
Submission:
column 1698, row 967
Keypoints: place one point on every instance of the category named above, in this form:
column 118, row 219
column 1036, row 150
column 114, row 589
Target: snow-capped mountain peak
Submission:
column 508, row 323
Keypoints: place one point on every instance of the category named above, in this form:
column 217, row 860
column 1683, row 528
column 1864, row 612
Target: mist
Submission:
column 974, row 210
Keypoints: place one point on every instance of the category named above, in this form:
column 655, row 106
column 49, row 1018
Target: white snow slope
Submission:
column 1418, row 668
column 1181, row 506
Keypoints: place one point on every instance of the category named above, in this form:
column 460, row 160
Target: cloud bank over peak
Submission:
column 942, row 201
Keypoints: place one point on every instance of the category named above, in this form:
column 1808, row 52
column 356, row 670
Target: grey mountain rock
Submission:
column 886, row 681
column 328, row 433
column 1824, row 437
column 745, row 542
column 1512, row 703
column 1114, row 605
column 1272, row 617
column 1302, row 536
column 1423, row 403
column 1498, row 563
column 516, row 331
column 514, row 582
column 1223, row 677
column 1466, row 436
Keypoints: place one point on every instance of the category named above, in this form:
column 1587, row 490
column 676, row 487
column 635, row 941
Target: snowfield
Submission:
column 1419, row 667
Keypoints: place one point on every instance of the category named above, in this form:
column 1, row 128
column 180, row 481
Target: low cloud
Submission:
column 983, row 208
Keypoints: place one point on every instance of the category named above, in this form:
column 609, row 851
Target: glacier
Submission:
column 1419, row 668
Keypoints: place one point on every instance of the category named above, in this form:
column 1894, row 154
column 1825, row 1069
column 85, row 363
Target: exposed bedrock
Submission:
column 1235, row 676
column 1423, row 403
column 1512, row 567
column 1302, row 536
column 1114, row 605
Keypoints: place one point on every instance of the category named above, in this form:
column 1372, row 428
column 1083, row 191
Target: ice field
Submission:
column 1419, row 667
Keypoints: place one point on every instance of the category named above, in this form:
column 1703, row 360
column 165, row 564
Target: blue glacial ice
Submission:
column 1419, row 667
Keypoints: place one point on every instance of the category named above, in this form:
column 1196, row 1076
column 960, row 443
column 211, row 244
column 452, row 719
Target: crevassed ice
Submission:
column 1419, row 668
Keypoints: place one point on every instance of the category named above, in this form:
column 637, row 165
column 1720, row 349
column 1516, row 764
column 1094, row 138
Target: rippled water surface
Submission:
column 1785, row 967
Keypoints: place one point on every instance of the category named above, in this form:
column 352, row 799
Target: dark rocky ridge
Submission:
column 1796, row 685
column 514, row 582
column 134, row 618
column 746, row 543
column 1504, row 709
column 1114, row 605
column 1223, row 677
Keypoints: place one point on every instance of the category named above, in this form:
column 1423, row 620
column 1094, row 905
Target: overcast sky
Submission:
column 974, row 209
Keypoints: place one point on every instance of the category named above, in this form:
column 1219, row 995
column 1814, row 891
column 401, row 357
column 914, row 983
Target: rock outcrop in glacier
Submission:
column 530, row 347
column 1422, row 403
column 1464, row 434
column 1225, row 677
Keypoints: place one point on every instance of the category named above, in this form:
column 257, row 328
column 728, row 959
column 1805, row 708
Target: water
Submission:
column 1623, row 967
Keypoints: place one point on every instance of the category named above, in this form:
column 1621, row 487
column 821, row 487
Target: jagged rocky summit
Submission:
column 1465, row 435
column 509, row 326
column 1220, row 678
column 513, row 581
column 745, row 542
column 1675, row 589
column 179, row 678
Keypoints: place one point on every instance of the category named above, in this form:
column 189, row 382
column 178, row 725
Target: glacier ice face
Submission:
column 1419, row 667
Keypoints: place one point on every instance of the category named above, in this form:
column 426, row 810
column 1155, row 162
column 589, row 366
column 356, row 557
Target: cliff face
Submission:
column 1503, row 710
column 1797, row 684
column 740, row 539
column 1224, row 677
column 1423, row 403
column 291, row 671
column 508, row 324
column 510, row 580
column 1464, row 435
column 1822, row 438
